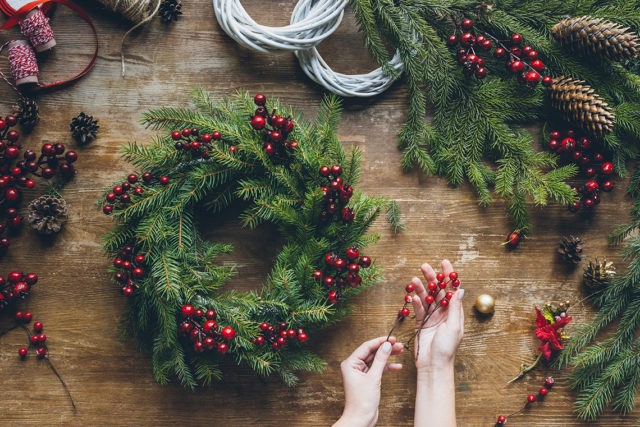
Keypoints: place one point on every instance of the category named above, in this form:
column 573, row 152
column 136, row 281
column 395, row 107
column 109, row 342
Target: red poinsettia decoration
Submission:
column 548, row 333
column 550, row 322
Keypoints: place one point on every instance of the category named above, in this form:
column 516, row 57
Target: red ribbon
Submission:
column 24, row 10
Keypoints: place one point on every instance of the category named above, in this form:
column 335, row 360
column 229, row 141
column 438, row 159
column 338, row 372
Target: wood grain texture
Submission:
column 112, row 382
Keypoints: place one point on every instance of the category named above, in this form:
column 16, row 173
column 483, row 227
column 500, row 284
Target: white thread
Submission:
column 312, row 21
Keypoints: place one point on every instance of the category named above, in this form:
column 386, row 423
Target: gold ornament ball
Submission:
column 485, row 304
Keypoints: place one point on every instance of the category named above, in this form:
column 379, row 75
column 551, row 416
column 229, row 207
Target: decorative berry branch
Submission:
column 339, row 273
column 531, row 398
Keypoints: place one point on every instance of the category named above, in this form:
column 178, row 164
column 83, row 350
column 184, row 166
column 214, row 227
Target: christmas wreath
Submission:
column 288, row 173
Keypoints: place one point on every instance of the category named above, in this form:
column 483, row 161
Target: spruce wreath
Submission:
column 288, row 173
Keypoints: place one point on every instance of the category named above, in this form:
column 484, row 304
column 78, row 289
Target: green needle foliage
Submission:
column 162, row 224
column 476, row 134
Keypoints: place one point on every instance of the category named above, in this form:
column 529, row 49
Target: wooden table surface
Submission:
column 112, row 382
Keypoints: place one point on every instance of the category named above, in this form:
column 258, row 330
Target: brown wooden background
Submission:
column 112, row 382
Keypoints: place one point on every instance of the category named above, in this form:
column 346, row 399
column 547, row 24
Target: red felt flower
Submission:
column 548, row 334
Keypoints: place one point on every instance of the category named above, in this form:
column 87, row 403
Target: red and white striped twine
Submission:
column 35, row 27
column 22, row 62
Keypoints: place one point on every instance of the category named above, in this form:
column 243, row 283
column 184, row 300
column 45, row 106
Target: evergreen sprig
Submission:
column 476, row 133
column 162, row 223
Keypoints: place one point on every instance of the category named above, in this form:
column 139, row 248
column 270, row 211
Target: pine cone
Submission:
column 570, row 249
column 27, row 113
column 597, row 36
column 83, row 128
column 578, row 103
column 170, row 10
column 47, row 214
column 598, row 274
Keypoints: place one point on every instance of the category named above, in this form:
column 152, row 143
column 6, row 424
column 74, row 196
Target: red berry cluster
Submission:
column 123, row 194
column 15, row 174
column 592, row 163
column 191, row 141
column 37, row 339
column 339, row 272
column 129, row 267
column 337, row 195
column 544, row 390
column 16, row 286
column 520, row 60
column 276, row 128
column 278, row 336
column 434, row 289
column 202, row 329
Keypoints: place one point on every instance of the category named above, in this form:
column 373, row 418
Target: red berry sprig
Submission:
column 531, row 398
column 278, row 336
column 514, row 238
column 125, row 193
column 337, row 195
column 38, row 341
column 15, row 175
column 201, row 328
column 190, row 140
column 16, row 286
column 595, row 168
column 439, row 293
column 130, row 267
column 339, row 272
column 520, row 60
column 276, row 129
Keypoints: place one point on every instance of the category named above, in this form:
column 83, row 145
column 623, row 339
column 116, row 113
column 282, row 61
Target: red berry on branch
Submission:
column 547, row 81
column 440, row 276
column 258, row 122
column 107, row 209
column 176, row 135
column 532, row 77
column 365, row 261
column 549, row 381
column 516, row 39
column 452, row 40
column 41, row 352
column 588, row 203
column 453, row 275
column 302, row 337
column 14, row 277
column 404, row 312
column 186, row 132
column 607, row 168
column 499, row 52
column 531, row 398
column 516, row 66
column 513, row 239
column 27, row 316
column 467, row 39
column 22, row 352
column 432, row 286
column 607, row 186
column 353, row 253
column 187, row 310
column 430, row 299
column 260, row 99
column 487, row 45
column 481, row 72
column 408, row 298
column 164, row 180
column 544, row 392
column 537, row 65
column 37, row 326
column 444, row 303
column 466, row 24
column 533, row 55
column 410, row 288
column 554, row 145
column 568, row 144
column 591, row 185
column 502, row 420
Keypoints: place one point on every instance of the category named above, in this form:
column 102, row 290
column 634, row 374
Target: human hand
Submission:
column 362, row 376
column 438, row 339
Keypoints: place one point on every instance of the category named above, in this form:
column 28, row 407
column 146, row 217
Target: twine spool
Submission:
column 312, row 21
column 22, row 63
column 136, row 11
column 35, row 27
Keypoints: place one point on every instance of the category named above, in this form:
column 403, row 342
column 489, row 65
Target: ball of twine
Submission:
column 135, row 11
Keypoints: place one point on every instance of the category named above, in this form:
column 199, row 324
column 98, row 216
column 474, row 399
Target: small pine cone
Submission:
column 47, row 214
column 578, row 103
column 27, row 113
column 597, row 36
column 598, row 274
column 570, row 249
column 84, row 128
column 170, row 10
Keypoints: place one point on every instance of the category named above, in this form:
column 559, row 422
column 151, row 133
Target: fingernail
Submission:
column 386, row 347
column 460, row 293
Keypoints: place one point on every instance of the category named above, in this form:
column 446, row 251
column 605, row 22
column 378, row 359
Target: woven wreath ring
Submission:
column 312, row 21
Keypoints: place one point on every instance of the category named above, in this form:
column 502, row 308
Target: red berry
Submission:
column 444, row 303
column 336, row 170
column 549, row 382
column 187, row 310
column 607, row 186
column 502, row 419
column 607, row 168
column 532, row 77
column 467, row 39
column 138, row 273
column 22, row 352
column 269, row 148
column 532, row 54
column 404, row 312
column 107, row 209
column 591, row 185
column 544, row 391
column 516, row 39
column 453, row 275
column 440, row 276
column 365, row 261
column 449, row 295
column 514, row 239
column 410, row 288
column 568, row 144
column 228, row 333
column 18, row 316
column 430, row 299
column 481, row 72
column 455, row 283
column 27, row 316
column 547, row 81
column 260, row 99
column 516, row 66
column 14, row 277
column 302, row 336
column 164, row 180
column 537, row 65
column 352, row 253
column 258, row 122
column 176, row 135
column 408, row 298
column 41, row 352
column 487, row 45
column 499, row 52
column 37, row 326
column 531, row 398
column 466, row 24
column 554, row 145
column 432, row 286
column 186, row 132
column 452, row 40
